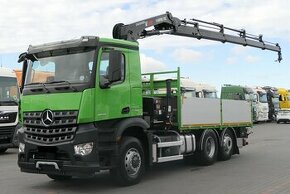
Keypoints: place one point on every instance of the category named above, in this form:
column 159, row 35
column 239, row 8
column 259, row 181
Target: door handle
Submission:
column 126, row 110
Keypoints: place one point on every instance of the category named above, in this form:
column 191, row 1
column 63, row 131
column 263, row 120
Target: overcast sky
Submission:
column 40, row 21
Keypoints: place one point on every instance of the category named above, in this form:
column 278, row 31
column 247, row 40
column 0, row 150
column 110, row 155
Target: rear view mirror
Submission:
column 115, row 66
column 22, row 57
column 24, row 70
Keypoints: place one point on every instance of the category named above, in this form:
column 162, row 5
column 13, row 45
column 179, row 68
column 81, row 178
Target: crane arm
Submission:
column 167, row 24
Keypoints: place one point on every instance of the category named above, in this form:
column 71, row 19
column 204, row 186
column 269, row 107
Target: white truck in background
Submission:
column 262, row 106
column 199, row 90
column 9, row 98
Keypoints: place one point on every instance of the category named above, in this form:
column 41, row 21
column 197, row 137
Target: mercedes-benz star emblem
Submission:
column 47, row 117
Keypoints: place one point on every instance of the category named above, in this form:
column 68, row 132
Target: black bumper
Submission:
column 11, row 140
column 60, row 158
column 283, row 120
column 65, row 168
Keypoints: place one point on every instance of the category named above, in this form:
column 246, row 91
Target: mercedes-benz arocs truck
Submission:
column 83, row 106
column 9, row 97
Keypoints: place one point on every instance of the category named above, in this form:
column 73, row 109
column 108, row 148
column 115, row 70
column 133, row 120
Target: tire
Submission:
column 278, row 122
column 2, row 150
column 59, row 177
column 207, row 155
column 226, row 148
column 130, row 163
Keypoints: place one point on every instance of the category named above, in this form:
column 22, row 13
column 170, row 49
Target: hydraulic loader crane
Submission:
column 167, row 24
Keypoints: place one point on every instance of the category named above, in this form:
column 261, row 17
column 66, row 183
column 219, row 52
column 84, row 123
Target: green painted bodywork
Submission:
column 232, row 92
column 81, row 101
column 111, row 101
column 96, row 104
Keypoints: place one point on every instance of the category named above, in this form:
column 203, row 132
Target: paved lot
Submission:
column 262, row 167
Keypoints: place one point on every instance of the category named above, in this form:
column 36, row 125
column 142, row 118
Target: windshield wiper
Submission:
column 38, row 83
column 64, row 81
column 34, row 83
column 8, row 103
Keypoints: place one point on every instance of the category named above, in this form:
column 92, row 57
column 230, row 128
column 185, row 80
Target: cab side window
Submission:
column 104, row 68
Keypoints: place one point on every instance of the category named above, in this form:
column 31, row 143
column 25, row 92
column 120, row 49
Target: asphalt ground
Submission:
column 262, row 167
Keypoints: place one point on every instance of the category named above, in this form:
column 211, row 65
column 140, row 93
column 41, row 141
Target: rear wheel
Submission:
column 2, row 150
column 131, row 164
column 59, row 177
column 227, row 145
column 207, row 155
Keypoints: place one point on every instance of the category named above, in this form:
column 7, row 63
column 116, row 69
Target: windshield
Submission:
column 275, row 101
column 210, row 95
column 9, row 93
column 263, row 97
column 73, row 68
column 189, row 93
column 250, row 97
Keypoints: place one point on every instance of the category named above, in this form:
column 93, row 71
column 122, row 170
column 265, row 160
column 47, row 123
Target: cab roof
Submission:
column 84, row 41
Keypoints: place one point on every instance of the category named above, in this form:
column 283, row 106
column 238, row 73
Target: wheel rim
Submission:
column 228, row 143
column 210, row 147
column 132, row 162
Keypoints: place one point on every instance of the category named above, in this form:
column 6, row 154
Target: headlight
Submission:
column 84, row 149
column 21, row 148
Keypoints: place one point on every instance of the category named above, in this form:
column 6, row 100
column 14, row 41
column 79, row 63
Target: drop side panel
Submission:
column 197, row 112
column 236, row 112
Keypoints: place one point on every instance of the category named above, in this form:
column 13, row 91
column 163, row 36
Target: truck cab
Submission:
column 236, row 92
column 9, row 97
column 201, row 90
column 284, row 98
column 262, row 104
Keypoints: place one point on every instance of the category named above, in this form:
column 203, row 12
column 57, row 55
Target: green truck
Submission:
column 236, row 92
column 84, row 107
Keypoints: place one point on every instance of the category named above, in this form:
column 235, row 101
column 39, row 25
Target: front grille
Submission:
column 8, row 117
column 52, row 153
column 6, row 132
column 61, row 129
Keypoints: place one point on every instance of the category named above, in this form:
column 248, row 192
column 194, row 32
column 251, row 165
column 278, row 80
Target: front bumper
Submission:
column 60, row 159
column 262, row 116
column 10, row 141
column 64, row 167
column 283, row 119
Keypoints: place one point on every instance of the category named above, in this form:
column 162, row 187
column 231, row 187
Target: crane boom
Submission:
column 167, row 24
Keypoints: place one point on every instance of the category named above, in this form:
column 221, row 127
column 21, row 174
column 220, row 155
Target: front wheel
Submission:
column 2, row 150
column 207, row 155
column 130, row 163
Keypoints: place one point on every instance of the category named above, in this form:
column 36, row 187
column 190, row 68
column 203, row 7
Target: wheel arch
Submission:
column 135, row 127
column 126, row 127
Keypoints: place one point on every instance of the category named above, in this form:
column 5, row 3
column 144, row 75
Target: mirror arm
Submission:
column 105, row 85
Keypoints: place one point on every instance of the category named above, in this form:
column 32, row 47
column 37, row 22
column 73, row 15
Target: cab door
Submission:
column 112, row 100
